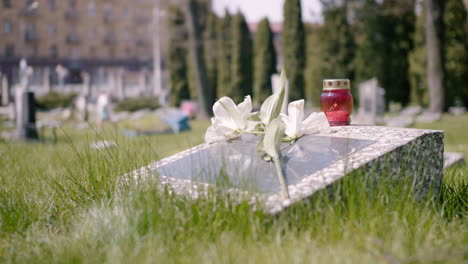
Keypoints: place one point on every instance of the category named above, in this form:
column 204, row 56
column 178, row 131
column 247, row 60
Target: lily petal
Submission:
column 316, row 123
column 245, row 107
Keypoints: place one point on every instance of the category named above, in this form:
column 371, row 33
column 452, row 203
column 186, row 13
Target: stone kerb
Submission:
column 414, row 152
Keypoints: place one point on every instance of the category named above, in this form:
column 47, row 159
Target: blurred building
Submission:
column 101, row 37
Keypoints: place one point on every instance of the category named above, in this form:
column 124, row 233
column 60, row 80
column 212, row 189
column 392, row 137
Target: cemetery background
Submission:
column 63, row 202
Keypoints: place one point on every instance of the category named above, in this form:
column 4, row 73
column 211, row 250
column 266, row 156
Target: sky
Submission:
column 255, row 10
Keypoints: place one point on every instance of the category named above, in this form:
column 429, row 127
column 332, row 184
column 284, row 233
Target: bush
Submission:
column 135, row 104
column 55, row 100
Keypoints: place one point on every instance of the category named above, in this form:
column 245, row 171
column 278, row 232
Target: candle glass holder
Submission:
column 337, row 101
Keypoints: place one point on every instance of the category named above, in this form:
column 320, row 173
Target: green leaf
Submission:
column 273, row 137
column 271, row 108
column 271, row 145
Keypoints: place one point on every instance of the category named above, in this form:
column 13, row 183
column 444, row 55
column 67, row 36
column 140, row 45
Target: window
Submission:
column 52, row 30
column 51, row 5
column 54, row 51
column 30, row 28
column 29, row 2
column 74, row 53
column 72, row 3
column 7, row 27
column 91, row 8
column 9, row 50
column 7, row 3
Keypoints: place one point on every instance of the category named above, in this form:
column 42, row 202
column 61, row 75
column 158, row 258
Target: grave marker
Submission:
column 312, row 163
column 5, row 91
column 371, row 103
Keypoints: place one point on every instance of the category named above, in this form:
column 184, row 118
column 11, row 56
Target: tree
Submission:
column 369, row 41
column 384, row 41
column 210, row 53
column 241, row 59
column 456, row 52
column 264, row 62
column 398, row 20
column 224, row 55
column 418, row 63
column 337, row 42
column 294, row 48
column 314, row 63
column 178, row 75
column 196, row 57
column 435, row 55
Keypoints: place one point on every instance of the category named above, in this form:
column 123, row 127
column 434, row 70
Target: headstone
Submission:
column 428, row 117
column 103, row 144
column 46, row 80
column 309, row 165
column 412, row 111
column 25, row 115
column 83, row 98
column 276, row 86
column 25, row 106
column 371, row 103
column 61, row 73
column 119, row 82
column 5, row 91
column 452, row 158
column 142, row 82
column 457, row 110
column 400, row 121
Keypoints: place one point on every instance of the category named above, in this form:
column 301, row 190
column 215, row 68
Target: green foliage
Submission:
column 54, row 100
column 293, row 42
column 135, row 104
column 314, row 65
column 456, row 52
column 178, row 53
column 369, row 43
column 241, row 59
column 264, row 62
column 385, row 39
column 418, row 63
column 337, row 44
column 224, row 52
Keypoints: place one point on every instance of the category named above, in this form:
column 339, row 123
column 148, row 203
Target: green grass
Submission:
column 62, row 204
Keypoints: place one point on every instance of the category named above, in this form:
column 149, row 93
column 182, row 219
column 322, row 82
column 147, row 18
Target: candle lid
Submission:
column 333, row 84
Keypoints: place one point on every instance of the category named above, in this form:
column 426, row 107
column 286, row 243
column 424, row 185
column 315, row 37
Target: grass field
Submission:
column 61, row 204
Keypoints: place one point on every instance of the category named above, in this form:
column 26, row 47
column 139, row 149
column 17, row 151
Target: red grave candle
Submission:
column 337, row 102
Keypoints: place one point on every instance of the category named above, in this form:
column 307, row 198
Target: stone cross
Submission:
column 142, row 82
column 46, row 80
column 120, row 84
column 61, row 73
column 371, row 102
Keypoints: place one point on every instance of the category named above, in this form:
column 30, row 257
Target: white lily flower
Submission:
column 296, row 126
column 229, row 118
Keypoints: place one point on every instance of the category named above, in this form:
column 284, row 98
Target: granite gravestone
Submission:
column 313, row 163
column 371, row 103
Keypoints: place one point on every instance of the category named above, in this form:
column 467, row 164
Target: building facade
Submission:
column 101, row 37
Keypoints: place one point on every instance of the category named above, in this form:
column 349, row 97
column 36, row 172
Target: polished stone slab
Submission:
column 311, row 164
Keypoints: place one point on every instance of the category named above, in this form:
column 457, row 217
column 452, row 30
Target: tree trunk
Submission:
column 435, row 55
column 196, row 58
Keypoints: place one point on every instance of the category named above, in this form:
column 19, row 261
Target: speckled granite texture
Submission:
column 403, row 151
